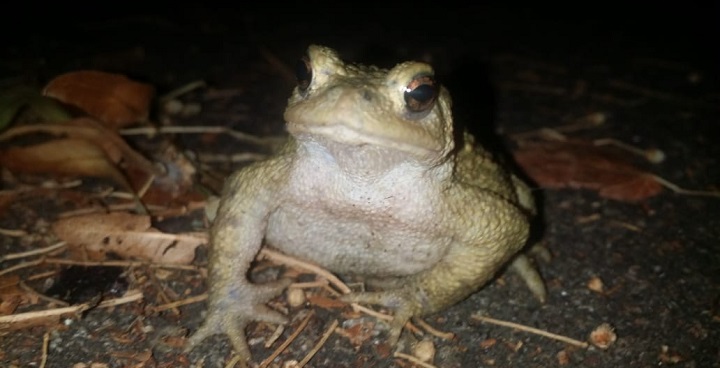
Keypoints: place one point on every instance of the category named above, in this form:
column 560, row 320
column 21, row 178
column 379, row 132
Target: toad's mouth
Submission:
column 412, row 141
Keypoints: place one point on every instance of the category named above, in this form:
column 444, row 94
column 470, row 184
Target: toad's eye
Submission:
column 420, row 93
column 303, row 73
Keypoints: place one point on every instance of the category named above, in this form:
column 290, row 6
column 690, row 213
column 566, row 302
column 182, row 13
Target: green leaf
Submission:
column 11, row 101
column 17, row 98
column 49, row 109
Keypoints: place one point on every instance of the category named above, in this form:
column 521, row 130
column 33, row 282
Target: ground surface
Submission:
column 653, row 73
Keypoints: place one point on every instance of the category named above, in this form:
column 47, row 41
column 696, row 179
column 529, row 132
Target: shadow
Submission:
column 475, row 109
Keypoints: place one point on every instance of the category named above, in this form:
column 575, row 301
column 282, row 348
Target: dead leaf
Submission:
column 579, row 164
column 127, row 236
column 112, row 98
column 64, row 157
column 10, row 294
column 90, row 150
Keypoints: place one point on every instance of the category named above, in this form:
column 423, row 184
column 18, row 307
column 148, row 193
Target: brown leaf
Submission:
column 125, row 235
column 63, row 157
column 112, row 98
column 579, row 164
column 97, row 150
column 10, row 294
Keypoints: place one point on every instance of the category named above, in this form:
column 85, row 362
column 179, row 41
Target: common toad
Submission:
column 370, row 183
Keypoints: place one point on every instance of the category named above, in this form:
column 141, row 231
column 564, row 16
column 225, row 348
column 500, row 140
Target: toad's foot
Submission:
column 230, row 311
column 405, row 301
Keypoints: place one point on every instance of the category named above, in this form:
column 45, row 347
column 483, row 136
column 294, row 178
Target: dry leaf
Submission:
column 89, row 150
column 127, row 236
column 10, row 294
column 64, row 157
column 578, row 164
column 112, row 98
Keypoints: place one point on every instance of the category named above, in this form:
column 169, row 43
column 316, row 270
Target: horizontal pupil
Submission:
column 423, row 93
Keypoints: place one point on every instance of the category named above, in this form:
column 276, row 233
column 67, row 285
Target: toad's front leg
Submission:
column 236, row 237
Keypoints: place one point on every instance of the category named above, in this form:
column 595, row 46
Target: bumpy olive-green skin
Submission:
column 364, row 186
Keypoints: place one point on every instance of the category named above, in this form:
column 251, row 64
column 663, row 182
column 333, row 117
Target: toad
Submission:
column 371, row 183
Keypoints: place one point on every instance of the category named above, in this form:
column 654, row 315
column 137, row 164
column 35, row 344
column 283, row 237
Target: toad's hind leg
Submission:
column 521, row 265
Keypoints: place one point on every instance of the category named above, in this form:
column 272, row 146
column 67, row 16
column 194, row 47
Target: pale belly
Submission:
column 378, row 246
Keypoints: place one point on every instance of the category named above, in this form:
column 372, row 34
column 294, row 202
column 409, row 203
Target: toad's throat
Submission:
column 422, row 146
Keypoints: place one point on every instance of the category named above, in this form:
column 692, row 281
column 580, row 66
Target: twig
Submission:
column 146, row 186
column 233, row 158
column 121, row 195
column 627, row 226
column 46, row 343
column 179, row 303
column 653, row 155
column 130, row 296
column 43, row 186
column 13, row 233
column 537, row 331
column 319, row 345
column 311, row 284
column 677, row 189
column 41, row 275
column 21, row 266
column 293, row 262
column 556, row 133
column 249, row 138
column 287, row 342
column 122, row 264
column 370, row 312
column 154, row 210
column 433, row 331
column 100, row 264
column 41, row 296
column 177, row 92
column 309, row 267
column 163, row 294
column 413, row 359
column 274, row 337
column 33, row 252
